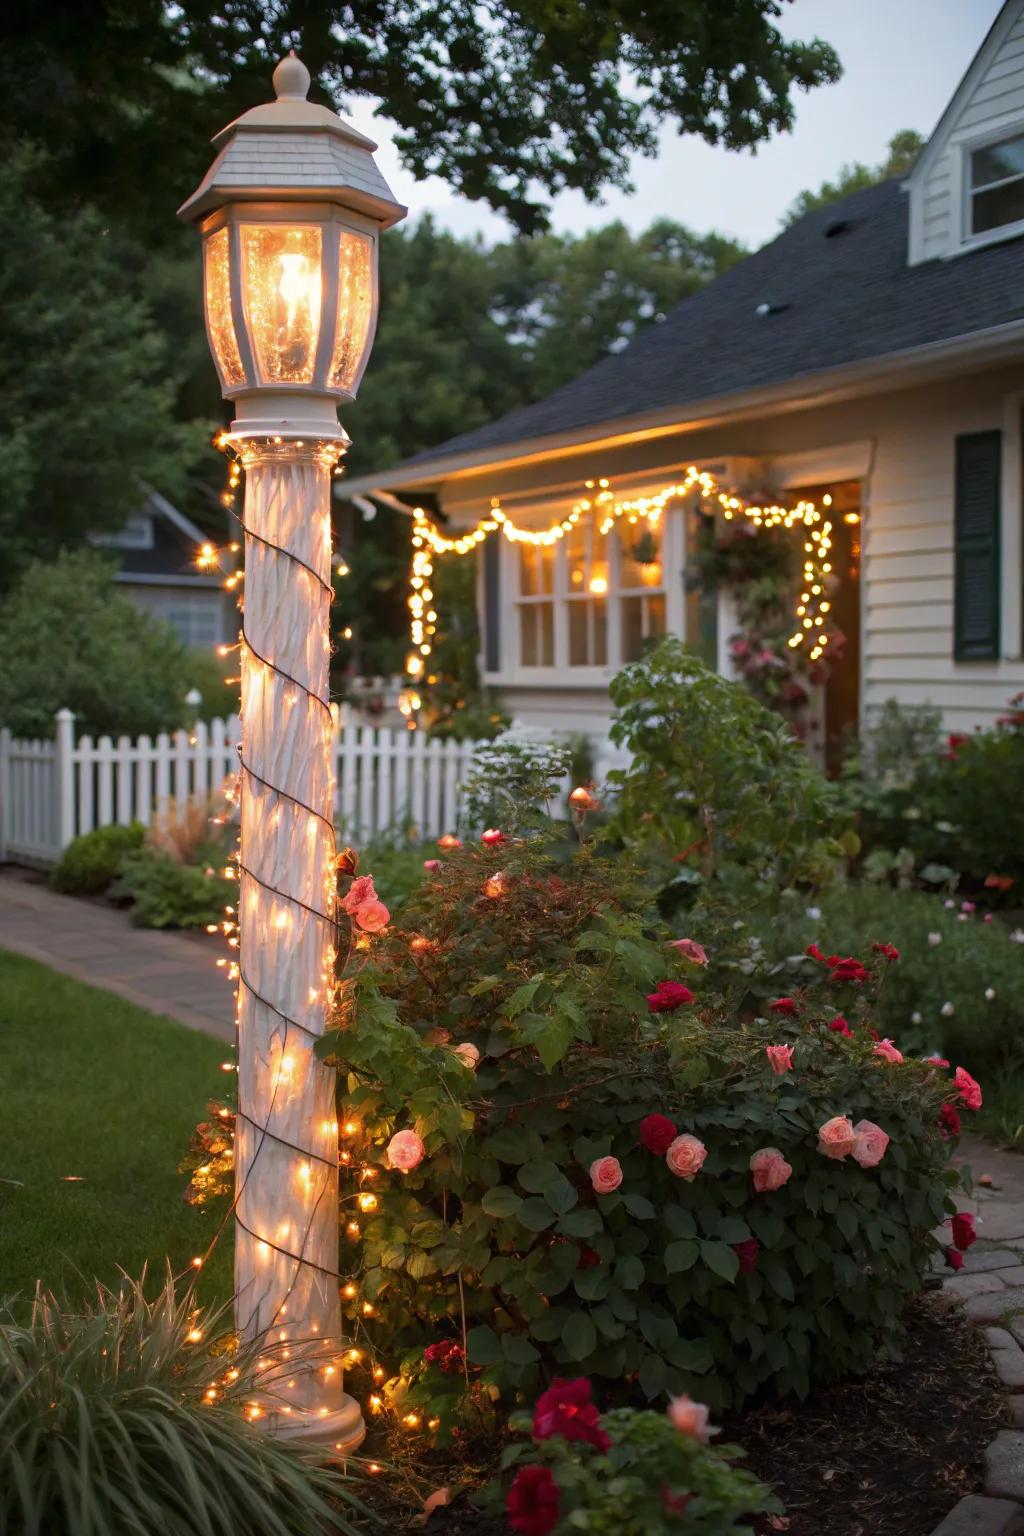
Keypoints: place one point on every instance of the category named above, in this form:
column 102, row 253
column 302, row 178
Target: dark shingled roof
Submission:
column 844, row 294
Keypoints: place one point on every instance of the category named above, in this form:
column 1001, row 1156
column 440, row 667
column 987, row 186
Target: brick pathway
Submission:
column 168, row 973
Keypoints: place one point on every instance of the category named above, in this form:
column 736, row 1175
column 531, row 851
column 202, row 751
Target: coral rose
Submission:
column 888, row 1052
column 566, row 1409
column 492, row 837
column 685, row 1157
column 668, row 996
column 468, row 1055
column 431, row 866
column 970, row 1090
column 657, row 1133
column 689, row 1418
column 870, row 1145
column 962, row 1228
column 405, row 1151
column 837, row 1138
column 949, row 1121
column 359, row 891
column 605, row 1175
column 690, row 950
column 533, row 1502
column 770, row 1170
column 371, row 916
column 781, row 1058
column 448, row 840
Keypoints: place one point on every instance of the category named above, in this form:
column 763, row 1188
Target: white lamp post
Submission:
column 290, row 213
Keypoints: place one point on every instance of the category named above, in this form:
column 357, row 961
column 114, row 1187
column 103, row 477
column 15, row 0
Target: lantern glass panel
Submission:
column 219, row 320
column 355, row 309
column 282, row 286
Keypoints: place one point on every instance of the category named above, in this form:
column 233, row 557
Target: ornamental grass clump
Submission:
column 582, row 1160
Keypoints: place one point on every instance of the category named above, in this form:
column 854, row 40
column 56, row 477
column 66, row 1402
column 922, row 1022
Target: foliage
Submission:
column 506, row 103
column 166, row 894
column 715, row 775
column 534, row 967
column 88, row 1181
column 904, row 148
column 397, row 864
column 513, row 778
column 88, row 410
column 89, row 863
column 648, row 1478
column 108, row 1428
column 69, row 640
column 208, row 673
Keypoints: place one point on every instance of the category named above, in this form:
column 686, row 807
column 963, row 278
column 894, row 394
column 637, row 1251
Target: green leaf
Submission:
column 579, row 1336
column 732, row 1230
column 720, row 1259
column 560, row 1195
column 537, row 1174
column 691, row 1355
column 501, row 1202
column 846, row 1221
column 522, row 997
column 653, row 1372
column 629, row 1272
column 584, row 1222
column 640, row 1207
column 483, row 1346
column 680, row 1255
column 514, row 1144
column 535, row 1214
column 679, row 1221
column 485, row 984
column 517, row 1350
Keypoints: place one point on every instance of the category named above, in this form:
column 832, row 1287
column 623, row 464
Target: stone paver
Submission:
column 162, row 972
column 980, row 1261
column 1004, row 1466
column 964, row 1285
column 977, row 1516
column 990, row 1307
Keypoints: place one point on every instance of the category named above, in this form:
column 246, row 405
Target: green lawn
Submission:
column 93, row 1087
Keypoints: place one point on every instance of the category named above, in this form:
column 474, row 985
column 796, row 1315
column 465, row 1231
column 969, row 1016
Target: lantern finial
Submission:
column 291, row 78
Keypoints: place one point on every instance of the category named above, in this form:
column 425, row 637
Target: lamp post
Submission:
column 290, row 214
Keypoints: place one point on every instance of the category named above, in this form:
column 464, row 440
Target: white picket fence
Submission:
column 50, row 791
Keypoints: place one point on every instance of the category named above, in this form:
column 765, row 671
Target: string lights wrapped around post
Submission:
column 290, row 213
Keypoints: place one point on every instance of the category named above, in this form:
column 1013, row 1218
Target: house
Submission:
column 157, row 548
column 874, row 353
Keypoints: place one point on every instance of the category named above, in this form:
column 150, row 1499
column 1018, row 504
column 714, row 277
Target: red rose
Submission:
column 962, row 1228
column 839, row 1026
column 669, row 996
column 949, row 1121
column 657, row 1133
column 888, row 950
column 954, row 1260
column 565, row 1409
column 747, row 1252
column 815, row 953
column 783, row 1005
column 845, row 968
column 589, row 1258
column 673, row 1503
column 533, row 1502
column 446, row 1355
column 954, row 743
column 492, row 837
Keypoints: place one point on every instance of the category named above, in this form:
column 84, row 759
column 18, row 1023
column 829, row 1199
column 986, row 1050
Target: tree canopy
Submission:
column 510, row 101
column 904, row 148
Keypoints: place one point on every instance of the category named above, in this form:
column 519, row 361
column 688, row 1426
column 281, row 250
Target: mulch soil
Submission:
column 889, row 1452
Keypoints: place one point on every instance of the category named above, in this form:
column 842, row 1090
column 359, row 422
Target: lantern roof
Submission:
column 293, row 150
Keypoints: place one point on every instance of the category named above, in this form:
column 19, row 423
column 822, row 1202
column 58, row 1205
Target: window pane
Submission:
column 219, row 320
column 598, row 577
column 588, row 633
column 599, row 651
column 536, row 569
column 655, row 616
column 537, row 635
column 355, row 306
column 997, row 161
column 640, row 554
column 632, row 628
column 1002, row 205
column 547, row 634
column 281, row 266
column 576, row 556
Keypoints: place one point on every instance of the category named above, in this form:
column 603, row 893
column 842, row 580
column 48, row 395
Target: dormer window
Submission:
column 996, row 185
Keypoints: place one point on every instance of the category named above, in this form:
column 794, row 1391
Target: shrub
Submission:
column 716, row 777
column 513, row 1229
column 624, row 1473
column 108, row 1429
column 165, row 894
column 91, row 862
column 513, row 778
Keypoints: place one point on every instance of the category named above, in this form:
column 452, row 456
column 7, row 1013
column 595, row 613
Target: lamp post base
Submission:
column 342, row 1431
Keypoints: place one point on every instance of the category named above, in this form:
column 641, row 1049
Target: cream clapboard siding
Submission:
column 990, row 99
column 906, row 443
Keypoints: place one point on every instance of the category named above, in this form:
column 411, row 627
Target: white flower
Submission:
column 813, row 913
column 949, row 905
column 990, row 993
column 963, row 917
column 934, row 938
column 915, row 1018
column 1017, row 936
column 947, row 1010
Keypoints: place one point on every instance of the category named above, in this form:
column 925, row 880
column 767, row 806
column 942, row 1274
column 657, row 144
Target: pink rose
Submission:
column 605, row 1175
column 690, row 950
column 492, row 837
column 689, row 1418
column 781, row 1058
column 770, row 1170
column 685, row 1157
column 405, row 1151
column 359, row 891
column 372, row 916
column 970, row 1090
column 468, row 1055
column 888, row 1051
column 431, row 865
column 871, row 1142
column 837, row 1138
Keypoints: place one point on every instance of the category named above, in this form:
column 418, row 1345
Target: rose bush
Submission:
column 708, row 1197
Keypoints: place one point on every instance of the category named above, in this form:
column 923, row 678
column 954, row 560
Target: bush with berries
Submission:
column 568, row 1155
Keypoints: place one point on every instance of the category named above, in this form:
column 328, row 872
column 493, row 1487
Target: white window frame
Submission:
column 968, row 149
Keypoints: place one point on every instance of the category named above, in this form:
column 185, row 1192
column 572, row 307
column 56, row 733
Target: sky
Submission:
column 902, row 61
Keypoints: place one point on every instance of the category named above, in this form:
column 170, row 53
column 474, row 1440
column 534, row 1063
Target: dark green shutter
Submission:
column 976, row 547
column 492, row 603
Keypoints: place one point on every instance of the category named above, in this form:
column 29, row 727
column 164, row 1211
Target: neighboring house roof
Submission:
column 839, row 292
column 159, row 545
